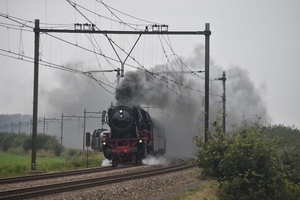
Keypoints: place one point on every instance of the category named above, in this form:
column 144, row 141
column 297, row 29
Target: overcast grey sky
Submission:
column 261, row 37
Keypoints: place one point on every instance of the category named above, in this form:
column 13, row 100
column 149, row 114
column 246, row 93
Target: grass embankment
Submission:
column 16, row 165
column 204, row 191
column 10, row 159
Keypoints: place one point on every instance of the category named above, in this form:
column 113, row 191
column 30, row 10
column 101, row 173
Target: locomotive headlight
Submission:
column 104, row 143
column 121, row 111
column 140, row 141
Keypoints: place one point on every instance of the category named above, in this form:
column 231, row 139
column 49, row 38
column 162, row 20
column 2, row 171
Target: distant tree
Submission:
column 14, row 118
column 6, row 140
column 19, row 139
column 41, row 140
column 2, row 137
column 27, row 143
column 48, row 142
column 288, row 149
column 287, row 135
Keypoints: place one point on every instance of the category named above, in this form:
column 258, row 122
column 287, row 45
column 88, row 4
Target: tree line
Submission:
column 14, row 118
column 21, row 143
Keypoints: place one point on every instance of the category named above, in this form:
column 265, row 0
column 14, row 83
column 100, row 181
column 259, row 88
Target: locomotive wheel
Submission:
column 114, row 164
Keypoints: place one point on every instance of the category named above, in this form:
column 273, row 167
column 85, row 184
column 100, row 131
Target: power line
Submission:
column 101, row 54
column 116, row 15
column 98, row 60
column 21, row 48
column 15, row 19
column 143, row 68
column 167, row 56
column 55, row 66
column 109, row 58
column 176, row 56
column 109, row 8
column 127, row 14
column 112, row 42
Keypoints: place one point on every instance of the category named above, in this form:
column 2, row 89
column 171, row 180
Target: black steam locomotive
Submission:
column 133, row 135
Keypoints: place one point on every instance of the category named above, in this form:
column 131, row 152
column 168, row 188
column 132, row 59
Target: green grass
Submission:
column 205, row 191
column 16, row 165
column 10, row 159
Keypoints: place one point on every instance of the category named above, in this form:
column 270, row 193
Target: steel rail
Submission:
column 55, row 175
column 87, row 183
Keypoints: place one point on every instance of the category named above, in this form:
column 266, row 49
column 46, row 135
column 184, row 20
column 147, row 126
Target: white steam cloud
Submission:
column 105, row 163
column 151, row 160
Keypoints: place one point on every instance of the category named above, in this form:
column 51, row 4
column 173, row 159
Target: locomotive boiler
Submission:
column 133, row 135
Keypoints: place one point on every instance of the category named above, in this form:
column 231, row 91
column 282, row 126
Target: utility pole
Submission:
column 35, row 91
column 84, row 123
column 62, row 129
column 206, row 127
column 223, row 100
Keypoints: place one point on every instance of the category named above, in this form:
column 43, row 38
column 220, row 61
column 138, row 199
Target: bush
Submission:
column 58, row 149
column 210, row 154
column 290, row 158
column 13, row 141
column 251, row 170
column 71, row 154
column 8, row 170
column 288, row 136
column 245, row 163
column 288, row 149
column 45, row 153
column 6, row 141
column 17, row 151
column 79, row 161
column 18, row 141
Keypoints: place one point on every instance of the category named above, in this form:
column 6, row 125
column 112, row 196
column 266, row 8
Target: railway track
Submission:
column 54, row 175
column 87, row 183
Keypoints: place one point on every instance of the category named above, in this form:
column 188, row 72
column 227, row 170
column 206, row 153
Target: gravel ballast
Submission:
column 136, row 189
column 132, row 190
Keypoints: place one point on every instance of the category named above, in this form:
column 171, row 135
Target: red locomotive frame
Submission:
column 131, row 150
column 150, row 139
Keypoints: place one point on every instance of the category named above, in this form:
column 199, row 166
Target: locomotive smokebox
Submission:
column 121, row 119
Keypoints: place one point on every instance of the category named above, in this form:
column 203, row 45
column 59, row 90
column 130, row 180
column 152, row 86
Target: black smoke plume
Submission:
column 182, row 108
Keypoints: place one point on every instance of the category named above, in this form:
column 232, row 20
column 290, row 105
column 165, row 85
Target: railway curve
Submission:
column 37, row 191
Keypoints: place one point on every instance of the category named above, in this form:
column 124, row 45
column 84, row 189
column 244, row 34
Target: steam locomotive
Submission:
column 133, row 135
column 97, row 137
